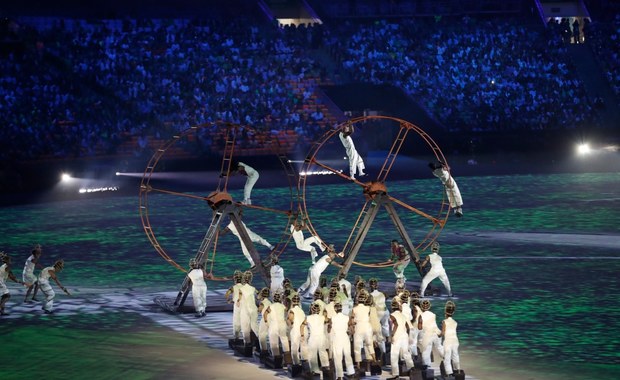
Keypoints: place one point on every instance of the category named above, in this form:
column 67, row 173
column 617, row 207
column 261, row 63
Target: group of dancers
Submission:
column 344, row 325
column 31, row 281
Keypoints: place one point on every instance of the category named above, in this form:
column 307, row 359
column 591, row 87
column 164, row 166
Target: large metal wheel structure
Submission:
column 214, row 205
column 394, row 138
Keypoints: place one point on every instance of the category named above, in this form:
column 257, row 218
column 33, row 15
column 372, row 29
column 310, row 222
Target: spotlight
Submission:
column 584, row 149
column 65, row 177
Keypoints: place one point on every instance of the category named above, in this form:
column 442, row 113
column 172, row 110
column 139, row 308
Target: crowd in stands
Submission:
column 82, row 85
column 471, row 75
column 80, row 88
column 604, row 39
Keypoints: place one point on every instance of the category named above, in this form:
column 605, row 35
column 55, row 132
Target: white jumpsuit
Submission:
column 306, row 244
column 451, row 346
column 255, row 238
column 28, row 274
column 298, row 346
column 375, row 323
column 452, row 189
column 263, row 328
column 277, row 328
column 236, row 323
column 413, row 331
column 316, row 342
column 46, row 288
column 248, row 312
column 277, row 278
column 341, row 344
column 436, row 270
column 249, row 182
column 355, row 160
column 384, row 316
column 415, row 334
column 363, row 333
column 400, row 343
column 430, row 337
column 199, row 289
column 314, row 274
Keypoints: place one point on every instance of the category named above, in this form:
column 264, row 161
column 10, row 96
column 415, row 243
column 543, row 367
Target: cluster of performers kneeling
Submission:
column 347, row 330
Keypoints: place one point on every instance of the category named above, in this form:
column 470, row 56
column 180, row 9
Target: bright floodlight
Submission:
column 583, row 149
column 65, row 177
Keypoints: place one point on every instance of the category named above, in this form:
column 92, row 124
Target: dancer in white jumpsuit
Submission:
column 305, row 244
column 315, row 323
column 416, row 325
column 314, row 273
column 362, row 334
column 232, row 296
column 399, row 338
column 252, row 174
column 275, row 316
column 276, row 273
column 453, row 193
column 28, row 276
column 356, row 163
column 296, row 317
column 338, row 328
column 197, row 277
column 382, row 313
column 248, row 312
column 377, row 335
column 46, row 288
column 5, row 274
column 254, row 237
column 436, row 271
column 430, row 333
column 263, row 330
column 451, row 361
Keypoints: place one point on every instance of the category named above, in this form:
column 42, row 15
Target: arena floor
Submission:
column 533, row 264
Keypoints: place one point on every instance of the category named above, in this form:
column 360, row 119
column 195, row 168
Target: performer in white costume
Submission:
column 430, row 333
column 5, row 274
column 46, row 288
column 356, row 164
column 314, row 273
column 252, row 174
column 296, row 317
column 362, row 330
column 315, row 323
column 451, row 361
column 436, row 270
column 377, row 336
column 453, row 193
column 399, row 338
column 305, row 244
column 197, row 276
column 415, row 333
column 254, row 237
column 248, row 312
column 28, row 276
column 400, row 258
column 338, row 328
column 276, row 273
column 382, row 313
column 275, row 316
column 232, row 296
column 263, row 329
